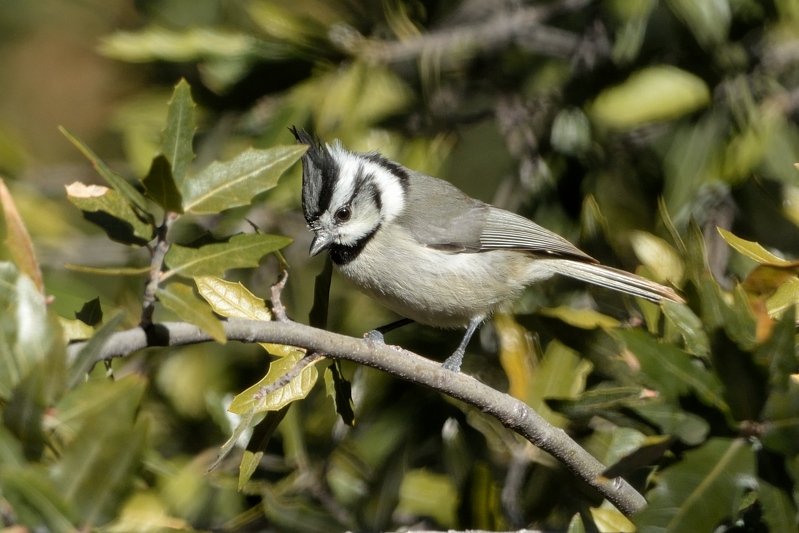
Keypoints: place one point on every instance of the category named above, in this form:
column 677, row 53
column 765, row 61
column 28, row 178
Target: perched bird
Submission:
column 423, row 248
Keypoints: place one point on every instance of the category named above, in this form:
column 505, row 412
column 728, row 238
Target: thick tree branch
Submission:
column 411, row 367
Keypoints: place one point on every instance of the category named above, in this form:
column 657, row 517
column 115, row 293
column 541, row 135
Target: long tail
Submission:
column 612, row 278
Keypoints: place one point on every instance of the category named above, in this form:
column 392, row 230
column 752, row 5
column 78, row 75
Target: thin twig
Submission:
column 406, row 365
column 156, row 265
column 278, row 309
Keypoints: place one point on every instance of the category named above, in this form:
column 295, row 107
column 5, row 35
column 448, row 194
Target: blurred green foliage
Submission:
column 634, row 129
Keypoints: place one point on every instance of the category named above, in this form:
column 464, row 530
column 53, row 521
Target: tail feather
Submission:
column 612, row 278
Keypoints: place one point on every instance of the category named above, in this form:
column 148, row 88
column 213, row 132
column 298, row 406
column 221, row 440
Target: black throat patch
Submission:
column 341, row 254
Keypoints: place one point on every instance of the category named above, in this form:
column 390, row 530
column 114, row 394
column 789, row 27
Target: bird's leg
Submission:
column 454, row 361
column 376, row 335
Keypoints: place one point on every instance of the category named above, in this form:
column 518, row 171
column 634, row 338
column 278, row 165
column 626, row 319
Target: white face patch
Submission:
column 380, row 196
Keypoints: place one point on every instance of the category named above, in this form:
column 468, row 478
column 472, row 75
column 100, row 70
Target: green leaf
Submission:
column 580, row 318
column 689, row 326
column 108, row 209
column 648, row 451
column 18, row 240
column 576, row 524
column 233, row 183
column 672, row 420
column 779, row 509
column 261, row 434
column 87, row 356
column 180, row 299
column 35, row 500
column 27, row 335
column 91, row 313
column 702, row 490
column 657, row 93
column 296, row 389
column 671, row 371
column 96, row 470
column 755, row 251
column 117, row 182
column 95, row 399
column 241, row 251
column 112, row 271
column 176, row 143
column 160, row 185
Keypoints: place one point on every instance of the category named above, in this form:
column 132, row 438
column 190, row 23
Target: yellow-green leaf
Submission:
column 652, row 94
column 111, row 271
column 18, row 240
column 233, row 183
column 180, row 299
column 581, row 318
column 241, row 251
column 611, row 520
column 296, row 389
column 232, row 300
column 658, row 256
column 755, row 251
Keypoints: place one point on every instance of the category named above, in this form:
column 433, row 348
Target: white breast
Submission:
column 434, row 287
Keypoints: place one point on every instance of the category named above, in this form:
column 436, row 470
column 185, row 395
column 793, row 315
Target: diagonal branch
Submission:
column 409, row 366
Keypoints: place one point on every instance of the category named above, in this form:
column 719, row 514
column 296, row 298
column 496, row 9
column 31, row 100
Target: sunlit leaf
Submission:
column 423, row 493
column 18, row 240
column 176, row 143
column 241, row 251
column 75, row 330
column 180, row 299
column 785, row 297
column 581, row 318
column 233, row 183
column 160, row 185
column 658, row 256
column 232, row 300
column 576, row 524
column 702, row 490
column 112, row 212
column 160, row 44
column 755, row 251
column 651, row 94
column 118, row 183
column 296, row 389
column 609, row 520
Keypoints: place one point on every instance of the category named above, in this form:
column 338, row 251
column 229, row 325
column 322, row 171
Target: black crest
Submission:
column 319, row 171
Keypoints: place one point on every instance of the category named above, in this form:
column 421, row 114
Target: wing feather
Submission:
column 506, row 230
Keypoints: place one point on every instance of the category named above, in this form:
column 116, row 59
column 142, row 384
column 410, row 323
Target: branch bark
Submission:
column 406, row 365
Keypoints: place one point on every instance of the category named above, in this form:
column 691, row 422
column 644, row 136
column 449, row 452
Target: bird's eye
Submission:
column 343, row 214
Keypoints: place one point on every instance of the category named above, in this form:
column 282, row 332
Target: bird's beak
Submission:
column 321, row 241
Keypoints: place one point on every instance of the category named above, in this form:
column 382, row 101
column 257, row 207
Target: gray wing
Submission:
column 506, row 230
column 463, row 224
